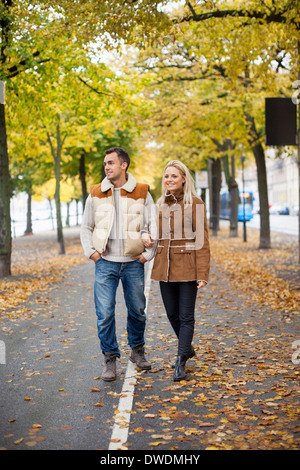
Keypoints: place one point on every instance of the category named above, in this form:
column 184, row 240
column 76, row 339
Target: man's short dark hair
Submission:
column 122, row 154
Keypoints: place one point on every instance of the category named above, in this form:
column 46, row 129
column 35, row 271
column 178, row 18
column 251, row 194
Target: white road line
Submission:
column 120, row 430
column 122, row 419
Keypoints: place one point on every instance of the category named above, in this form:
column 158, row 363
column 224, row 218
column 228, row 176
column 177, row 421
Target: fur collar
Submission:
column 128, row 186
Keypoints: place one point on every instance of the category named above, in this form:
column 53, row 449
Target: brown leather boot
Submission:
column 109, row 372
column 138, row 357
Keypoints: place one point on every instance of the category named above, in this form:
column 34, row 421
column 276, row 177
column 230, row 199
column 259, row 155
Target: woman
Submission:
column 182, row 259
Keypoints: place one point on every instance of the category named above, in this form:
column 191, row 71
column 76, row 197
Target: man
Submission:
column 117, row 212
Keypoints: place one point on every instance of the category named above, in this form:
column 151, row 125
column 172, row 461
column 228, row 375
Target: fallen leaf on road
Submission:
column 18, row 441
column 88, row 418
column 66, row 428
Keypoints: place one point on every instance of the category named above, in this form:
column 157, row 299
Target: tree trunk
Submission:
column 59, row 227
column 68, row 215
column 203, row 195
column 234, row 202
column 234, row 192
column 215, row 187
column 28, row 230
column 259, row 154
column 51, row 213
column 77, row 213
column 5, row 222
column 265, row 234
column 56, row 153
column 234, row 195
column 57, row 160
column 82, row 176
column 298, row 160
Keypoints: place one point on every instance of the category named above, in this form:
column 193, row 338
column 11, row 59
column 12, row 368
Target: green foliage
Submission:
column 205, row 66
column 225, row 57
column 94, row 157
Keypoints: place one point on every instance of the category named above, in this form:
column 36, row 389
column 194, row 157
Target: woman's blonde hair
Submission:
column 189, row 189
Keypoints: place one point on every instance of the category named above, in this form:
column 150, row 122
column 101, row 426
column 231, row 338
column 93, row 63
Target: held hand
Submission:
column 201, row 284
column 95, row 256
column 141, row 258
column 147, row 240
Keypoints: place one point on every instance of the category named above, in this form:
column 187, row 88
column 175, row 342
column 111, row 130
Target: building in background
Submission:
column 282, row 178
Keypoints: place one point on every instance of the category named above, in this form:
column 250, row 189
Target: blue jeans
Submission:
column 107, row 277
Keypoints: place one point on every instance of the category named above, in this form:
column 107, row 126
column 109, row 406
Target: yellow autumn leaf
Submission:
column 31, row 443
column 18, row 441
column 239, row 407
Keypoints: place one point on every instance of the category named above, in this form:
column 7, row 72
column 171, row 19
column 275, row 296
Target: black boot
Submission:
column 179, row 372
column 192, row 354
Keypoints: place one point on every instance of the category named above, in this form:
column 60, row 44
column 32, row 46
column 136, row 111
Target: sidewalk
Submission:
column 242, row 387
column 283, row 257
column 271, row 277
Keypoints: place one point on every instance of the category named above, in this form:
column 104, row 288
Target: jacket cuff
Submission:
column 89, row 253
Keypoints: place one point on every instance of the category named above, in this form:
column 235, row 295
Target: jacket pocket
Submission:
column 182, row 263
column 182, row 251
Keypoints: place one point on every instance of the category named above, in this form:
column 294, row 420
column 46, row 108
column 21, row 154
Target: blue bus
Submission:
column 225, row 205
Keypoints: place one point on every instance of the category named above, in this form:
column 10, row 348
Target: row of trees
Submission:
column 210, row 81
column 190, row 80
column 64, row 105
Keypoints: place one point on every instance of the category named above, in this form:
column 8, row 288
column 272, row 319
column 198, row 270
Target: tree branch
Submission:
column 191, row 8
column 97, row 91
column 271, row 17
column 51, row 145
column 15, row 70
column 169, row 66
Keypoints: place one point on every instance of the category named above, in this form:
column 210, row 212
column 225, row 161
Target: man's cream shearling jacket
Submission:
column 114, row 219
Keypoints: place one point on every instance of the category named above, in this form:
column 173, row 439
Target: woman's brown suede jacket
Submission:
column 183, row 252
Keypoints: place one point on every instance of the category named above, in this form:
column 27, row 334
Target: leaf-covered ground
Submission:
column 270, row 277
column 35, row 266
column 242, row 390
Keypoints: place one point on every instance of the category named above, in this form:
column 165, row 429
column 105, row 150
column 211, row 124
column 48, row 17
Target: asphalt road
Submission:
column 287, row 224
column 52, row 396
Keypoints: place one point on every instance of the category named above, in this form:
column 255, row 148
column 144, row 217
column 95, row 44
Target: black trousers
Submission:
column 179, row 299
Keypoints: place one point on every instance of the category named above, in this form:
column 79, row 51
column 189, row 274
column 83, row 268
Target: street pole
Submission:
column 244, row 215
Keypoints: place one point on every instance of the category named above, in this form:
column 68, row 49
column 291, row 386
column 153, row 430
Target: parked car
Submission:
column 295, row 210
column 279, row 209
column 284, row 210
